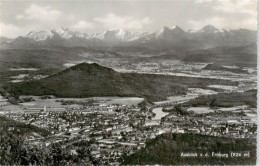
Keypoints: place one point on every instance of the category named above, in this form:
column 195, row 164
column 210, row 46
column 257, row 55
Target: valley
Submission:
column 110, row 99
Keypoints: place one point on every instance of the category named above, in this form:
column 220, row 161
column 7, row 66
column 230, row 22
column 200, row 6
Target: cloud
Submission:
column 112, row 21
column 202, row 1
column 40, row 13
column 10, row 30
column 222, row 22
column 232, row 6
column 229, row 13
column 146, row 20
column 237, row 6
column 83, row 25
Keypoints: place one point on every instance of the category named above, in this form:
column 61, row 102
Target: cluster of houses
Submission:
column 117, row 130
column 113, row 128
column 232, row 126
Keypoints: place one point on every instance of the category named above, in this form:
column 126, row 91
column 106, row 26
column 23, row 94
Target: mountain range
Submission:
column 207, row 37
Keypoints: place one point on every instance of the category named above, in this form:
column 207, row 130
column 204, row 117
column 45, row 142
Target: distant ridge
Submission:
column 86, row 80
column 221, row 68
column 207, row 37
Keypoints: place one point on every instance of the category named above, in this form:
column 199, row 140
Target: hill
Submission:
column 221, row 68
column 166, row 149
column 226, row 99
column 86, row 80
column 244, row 56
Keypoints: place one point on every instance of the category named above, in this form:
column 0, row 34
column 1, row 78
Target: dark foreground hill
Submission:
column 166, row 149
column 86, row 80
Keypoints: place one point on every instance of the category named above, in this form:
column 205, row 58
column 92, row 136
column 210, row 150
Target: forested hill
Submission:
column 85, row 80
column 167, row 149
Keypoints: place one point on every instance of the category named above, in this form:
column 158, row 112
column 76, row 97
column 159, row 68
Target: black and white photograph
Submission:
column 128, row 82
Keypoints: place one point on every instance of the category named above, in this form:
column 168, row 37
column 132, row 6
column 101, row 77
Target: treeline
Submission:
column 226, row 99
column 20, row 128
column 14, row 150
column 166, row 149
column 177, row 110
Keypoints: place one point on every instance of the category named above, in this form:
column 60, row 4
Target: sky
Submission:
column 19, row 17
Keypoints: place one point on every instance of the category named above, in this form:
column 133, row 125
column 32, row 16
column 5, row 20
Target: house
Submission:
column 193, row 130
column 95, row 153
column 10, row 128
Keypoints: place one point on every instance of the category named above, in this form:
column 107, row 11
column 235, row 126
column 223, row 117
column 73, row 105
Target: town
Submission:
column 113, row 131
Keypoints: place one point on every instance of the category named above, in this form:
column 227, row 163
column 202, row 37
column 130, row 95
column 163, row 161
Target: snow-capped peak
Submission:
column 175, row 27
column 208, row 29
column 121, row 34
column 64, row 32
column 60, row 30
column 174, row 33
column 160, row 32
column 116, row 35
column 168, row 32
column 38, row 36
